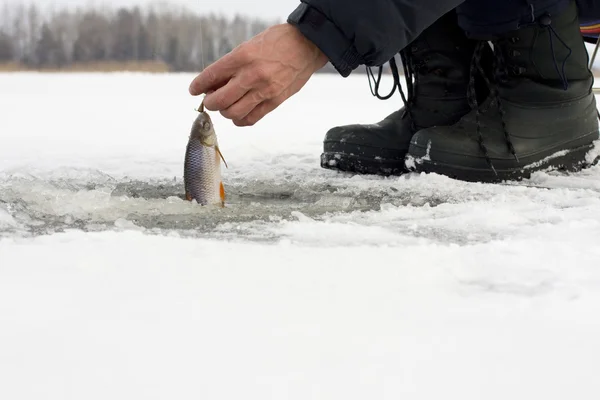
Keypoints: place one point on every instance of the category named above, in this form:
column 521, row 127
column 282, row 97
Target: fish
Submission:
column 202, row 166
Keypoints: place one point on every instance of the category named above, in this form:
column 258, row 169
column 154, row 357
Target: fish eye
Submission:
column 206, row 126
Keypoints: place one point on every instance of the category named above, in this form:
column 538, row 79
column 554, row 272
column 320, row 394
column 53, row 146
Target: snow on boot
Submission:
column 541, row 112
column 439, row 61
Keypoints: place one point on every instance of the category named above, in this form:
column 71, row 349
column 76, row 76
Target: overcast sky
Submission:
column 260, row 8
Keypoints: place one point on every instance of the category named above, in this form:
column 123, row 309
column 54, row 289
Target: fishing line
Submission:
column 202, row 45
column 201, row 108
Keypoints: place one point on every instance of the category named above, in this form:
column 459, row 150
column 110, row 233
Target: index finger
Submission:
column 215, row 75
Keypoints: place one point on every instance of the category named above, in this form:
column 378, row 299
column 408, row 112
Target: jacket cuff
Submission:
column 327, row 37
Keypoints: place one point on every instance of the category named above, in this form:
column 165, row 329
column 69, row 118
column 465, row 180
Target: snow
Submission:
column 310, row 284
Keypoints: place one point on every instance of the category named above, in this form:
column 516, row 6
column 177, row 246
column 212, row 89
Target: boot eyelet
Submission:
column 514, row 53
column 519, row 70
column 514, row 39
column 545, row 20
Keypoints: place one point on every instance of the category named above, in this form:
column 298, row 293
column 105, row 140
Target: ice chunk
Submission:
column 6, row 220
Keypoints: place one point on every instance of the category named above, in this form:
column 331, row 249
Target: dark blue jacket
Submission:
column 370, row 32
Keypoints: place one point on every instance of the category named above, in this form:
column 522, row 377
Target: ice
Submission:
column 310, row 284
column 6, row 220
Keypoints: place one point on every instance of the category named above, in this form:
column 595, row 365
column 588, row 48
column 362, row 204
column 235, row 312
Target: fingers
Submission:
column 260, row 111
column 209, row 79
column 217, row 74
column 226, row 96
column 270, row 105
column 245, row 105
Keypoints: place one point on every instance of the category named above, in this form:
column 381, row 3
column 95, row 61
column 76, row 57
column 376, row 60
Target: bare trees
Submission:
column 7, row 51
column 178, row 37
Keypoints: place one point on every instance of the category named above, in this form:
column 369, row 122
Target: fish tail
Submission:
column 222, row 193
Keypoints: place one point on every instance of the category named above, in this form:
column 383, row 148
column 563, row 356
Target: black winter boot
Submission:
column 440, row 60
column 541, row 112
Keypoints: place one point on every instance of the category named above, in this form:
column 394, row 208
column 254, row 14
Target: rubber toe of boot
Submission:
column 436, row 150
column 376, row 149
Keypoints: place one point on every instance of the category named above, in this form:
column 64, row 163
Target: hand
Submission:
column 259, row 75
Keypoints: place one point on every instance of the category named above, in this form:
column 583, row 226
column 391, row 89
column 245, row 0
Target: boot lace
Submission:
column 500, row 73
column 409, row 68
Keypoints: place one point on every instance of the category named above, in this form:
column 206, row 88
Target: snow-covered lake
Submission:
column 311, row 284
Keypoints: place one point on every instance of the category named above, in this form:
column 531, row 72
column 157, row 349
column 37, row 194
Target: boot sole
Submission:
column 573, row 160
column 362, row 165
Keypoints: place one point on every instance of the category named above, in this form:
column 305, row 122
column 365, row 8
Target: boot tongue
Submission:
column 441, row 77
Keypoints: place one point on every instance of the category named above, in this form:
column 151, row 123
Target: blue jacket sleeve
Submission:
column 365, row 32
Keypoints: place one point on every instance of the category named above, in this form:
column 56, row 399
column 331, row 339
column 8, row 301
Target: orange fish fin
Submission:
column 222, row 193
column 188, row 196
column 221, row 155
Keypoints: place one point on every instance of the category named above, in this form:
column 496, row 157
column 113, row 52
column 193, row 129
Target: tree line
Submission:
column 182, row 39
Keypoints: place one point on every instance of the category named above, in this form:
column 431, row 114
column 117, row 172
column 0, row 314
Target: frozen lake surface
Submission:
column 310, row 284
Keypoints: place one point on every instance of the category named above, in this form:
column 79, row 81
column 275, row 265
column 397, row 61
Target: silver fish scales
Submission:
column 202, row 167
